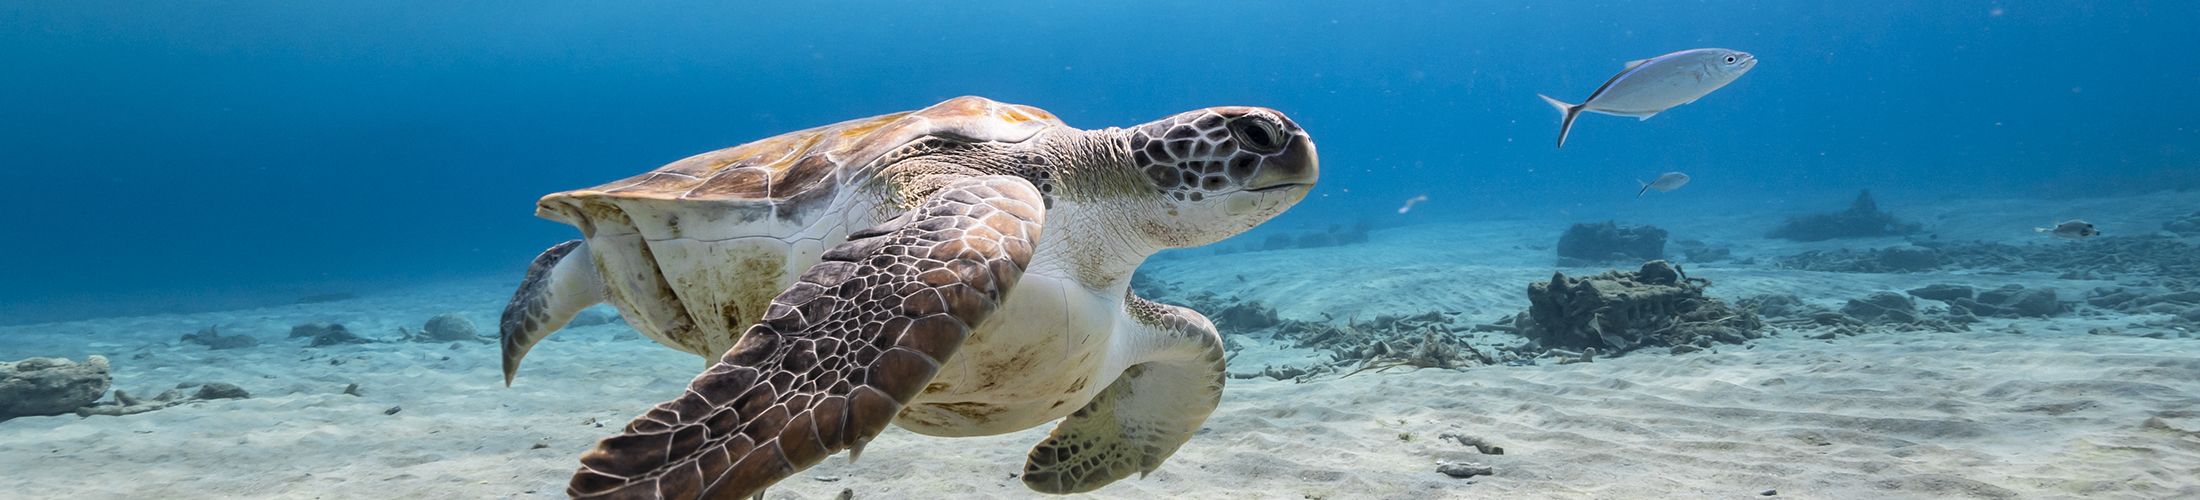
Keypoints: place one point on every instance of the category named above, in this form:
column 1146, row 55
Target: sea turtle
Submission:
column 960, row 270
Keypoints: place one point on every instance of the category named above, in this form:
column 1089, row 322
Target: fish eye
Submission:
column 1258, row 135
column 1730, row 59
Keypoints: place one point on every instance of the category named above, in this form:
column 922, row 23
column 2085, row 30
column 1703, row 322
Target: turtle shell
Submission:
column 692, row 252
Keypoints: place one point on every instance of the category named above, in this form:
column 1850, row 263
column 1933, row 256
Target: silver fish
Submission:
column 2073, row 229
column 1650, row 86
column 1665, row 183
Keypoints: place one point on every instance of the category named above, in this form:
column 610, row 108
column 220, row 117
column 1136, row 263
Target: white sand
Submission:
column 2051, row 412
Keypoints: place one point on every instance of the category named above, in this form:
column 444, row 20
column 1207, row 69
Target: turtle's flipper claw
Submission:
column 837, row 354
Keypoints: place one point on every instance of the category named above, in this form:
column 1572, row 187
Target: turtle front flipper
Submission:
column 836, row 355
column 1142, row 418
column 559, row 284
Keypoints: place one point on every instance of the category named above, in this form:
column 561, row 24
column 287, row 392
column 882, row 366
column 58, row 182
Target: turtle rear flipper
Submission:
column 1142, row 418
column 836, row 355
column 559, row 284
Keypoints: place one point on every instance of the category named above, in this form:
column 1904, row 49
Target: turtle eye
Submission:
column 1258, row 135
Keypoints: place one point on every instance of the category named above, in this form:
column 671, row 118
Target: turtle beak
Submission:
column 1295, row 167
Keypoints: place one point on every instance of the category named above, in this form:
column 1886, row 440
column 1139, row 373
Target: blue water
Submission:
column 175, row 156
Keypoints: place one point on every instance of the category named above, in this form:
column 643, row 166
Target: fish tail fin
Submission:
column 1568, row 112
column 1645, row 187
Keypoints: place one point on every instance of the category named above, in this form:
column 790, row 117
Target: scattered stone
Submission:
column 125, row 404
column 117, row 409
column 51, row 386
column 1586, row 244
column 1882, row 307
column 593, row 316
column 1245, row 317
column 314, row 329
column 1899, row 313
column 1943, row 292
column 1465, row 470
column 326, row 334
column 1480, row 445
column 2137, row 300
column 2098, row 258
column 1151, row 288
column 393, row 410
column 1886, row 311
column 1910, row 258
column 2188, row 226
column 1767, row 493
column 448, row 327
column 1619, row 311
column 1780, row 306
column 2013, row 301
column 353, row 390
column 1862, row 220
column 1902, row 259
column 325, row 297
column 214, row 340
column 126, row 399
column 1707, row 255
column 1292, row 372
column 218, row 390
column 1566, row 357
column 539, row 446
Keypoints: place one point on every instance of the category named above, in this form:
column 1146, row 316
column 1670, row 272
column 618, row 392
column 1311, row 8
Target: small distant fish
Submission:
column 2073, row 229
column 1650, row 86
column 1411, row 201
column 1665, row 183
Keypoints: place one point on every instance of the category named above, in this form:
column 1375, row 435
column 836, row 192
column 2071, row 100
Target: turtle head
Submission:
column 1221, row 171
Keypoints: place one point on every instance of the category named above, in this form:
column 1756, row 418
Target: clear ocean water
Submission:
column 261, row 166
column 192, row 156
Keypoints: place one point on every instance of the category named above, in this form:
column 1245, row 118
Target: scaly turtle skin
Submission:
column 960, row 270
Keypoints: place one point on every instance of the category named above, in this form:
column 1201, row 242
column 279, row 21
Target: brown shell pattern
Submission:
column 791, row 164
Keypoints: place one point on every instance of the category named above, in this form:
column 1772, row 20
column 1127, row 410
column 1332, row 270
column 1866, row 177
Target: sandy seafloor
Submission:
column 2030, row 408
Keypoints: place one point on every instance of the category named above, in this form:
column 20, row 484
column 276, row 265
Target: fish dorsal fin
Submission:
column 1632, row 64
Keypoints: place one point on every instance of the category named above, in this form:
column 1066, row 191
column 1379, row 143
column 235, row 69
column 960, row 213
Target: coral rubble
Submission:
column 51, row 386
column 125, row 404
column 1906, row 258
column 1862, row 220
column 2099, row 258
column 1619, row 311
column 1420, row 340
